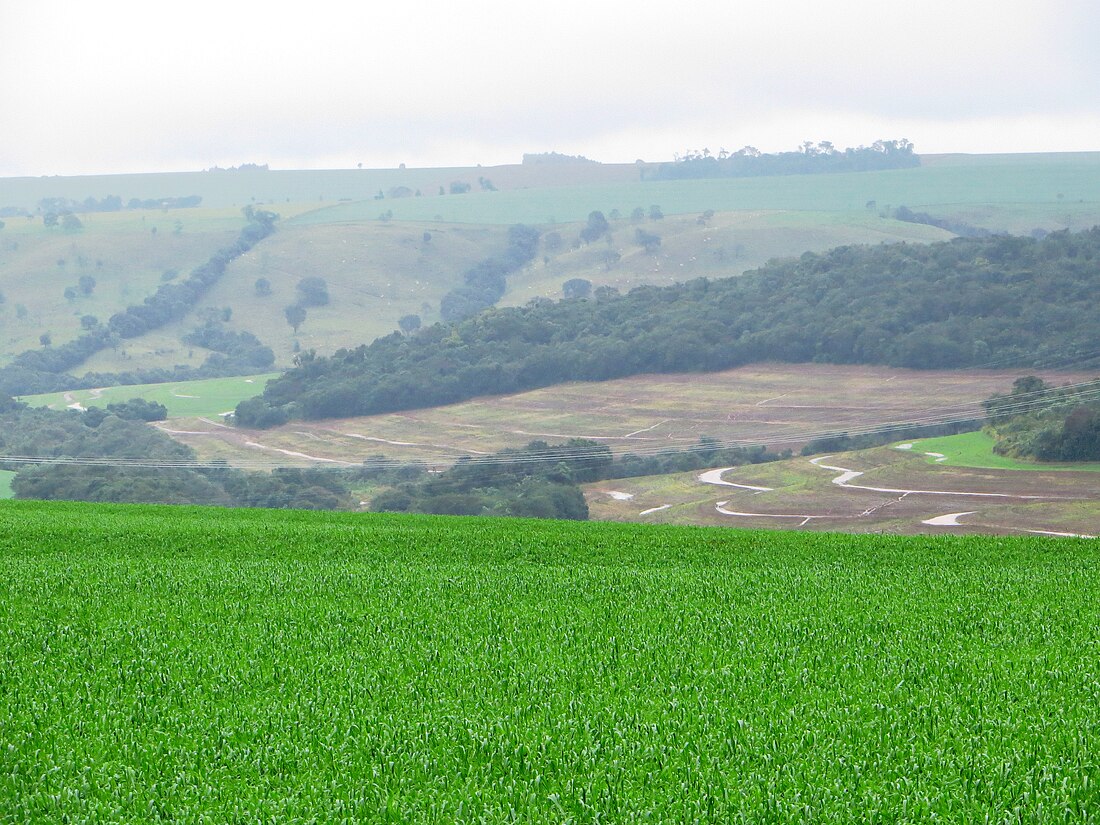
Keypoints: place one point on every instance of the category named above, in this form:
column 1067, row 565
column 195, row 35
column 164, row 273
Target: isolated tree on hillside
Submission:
column 552, row 242
column 647, row 240
column 86, row 283
column 262, row 287
column 409, row 323
column 312, row 292
column 596, row 227
column 295, row 316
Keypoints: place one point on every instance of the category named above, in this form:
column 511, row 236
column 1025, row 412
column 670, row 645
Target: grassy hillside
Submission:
column 380, row 270
column 1041, row 190
column 257, row 665
column 119, row 250
column 317, row 186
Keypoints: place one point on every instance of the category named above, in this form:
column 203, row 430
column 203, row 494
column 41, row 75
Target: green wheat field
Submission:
column 201, row 665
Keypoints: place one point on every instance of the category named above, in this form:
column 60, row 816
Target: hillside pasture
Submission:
column 780, row 406
column 380, row 271
column 189, row 664
column 316, row 187
column 1041, row 191
column 119, row 250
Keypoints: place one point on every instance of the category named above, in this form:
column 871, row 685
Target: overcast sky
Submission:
column 94, row 87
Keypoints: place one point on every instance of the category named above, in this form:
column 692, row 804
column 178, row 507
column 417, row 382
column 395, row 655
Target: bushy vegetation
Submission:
column 968, row 302
column 1044, row 423
column 111, row 455
column 191, row 665
column 537, row 481
column 238, row 353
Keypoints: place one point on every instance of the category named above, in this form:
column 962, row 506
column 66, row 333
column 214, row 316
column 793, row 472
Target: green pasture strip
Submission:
column 6, row 477
column 230, row 189
column 192, row 664
column 184, row 399
column 976, row 450
column 1042, row 185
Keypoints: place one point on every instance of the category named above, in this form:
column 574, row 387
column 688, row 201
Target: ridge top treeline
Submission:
column 969, row 302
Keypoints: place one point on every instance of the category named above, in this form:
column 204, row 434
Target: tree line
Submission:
column 808, row 159
column 485, row 282
column 968, row 302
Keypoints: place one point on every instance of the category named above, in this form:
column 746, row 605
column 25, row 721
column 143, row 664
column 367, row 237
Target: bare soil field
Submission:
column 780, row 406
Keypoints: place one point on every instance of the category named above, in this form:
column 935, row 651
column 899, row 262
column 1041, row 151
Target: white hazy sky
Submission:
column 117, row 86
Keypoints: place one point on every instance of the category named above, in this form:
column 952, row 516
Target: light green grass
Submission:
column 190, row 664
column 1050, row 187
column 976, row 450
column 6, row 477
column 184, row 399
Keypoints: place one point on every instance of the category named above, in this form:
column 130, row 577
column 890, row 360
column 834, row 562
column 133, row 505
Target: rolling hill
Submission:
column 379, row 270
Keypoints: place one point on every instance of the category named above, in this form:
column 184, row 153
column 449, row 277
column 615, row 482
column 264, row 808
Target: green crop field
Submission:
column 209, row 397
column 976, row 450
column 201, row 665
column 5, row 483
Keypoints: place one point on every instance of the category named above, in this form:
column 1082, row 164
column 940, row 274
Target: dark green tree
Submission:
column 312, row 292
column 577, row 288
column 295, row 316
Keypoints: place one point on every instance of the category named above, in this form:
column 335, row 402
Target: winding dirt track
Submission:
column 847, row 475
column 845, row 478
